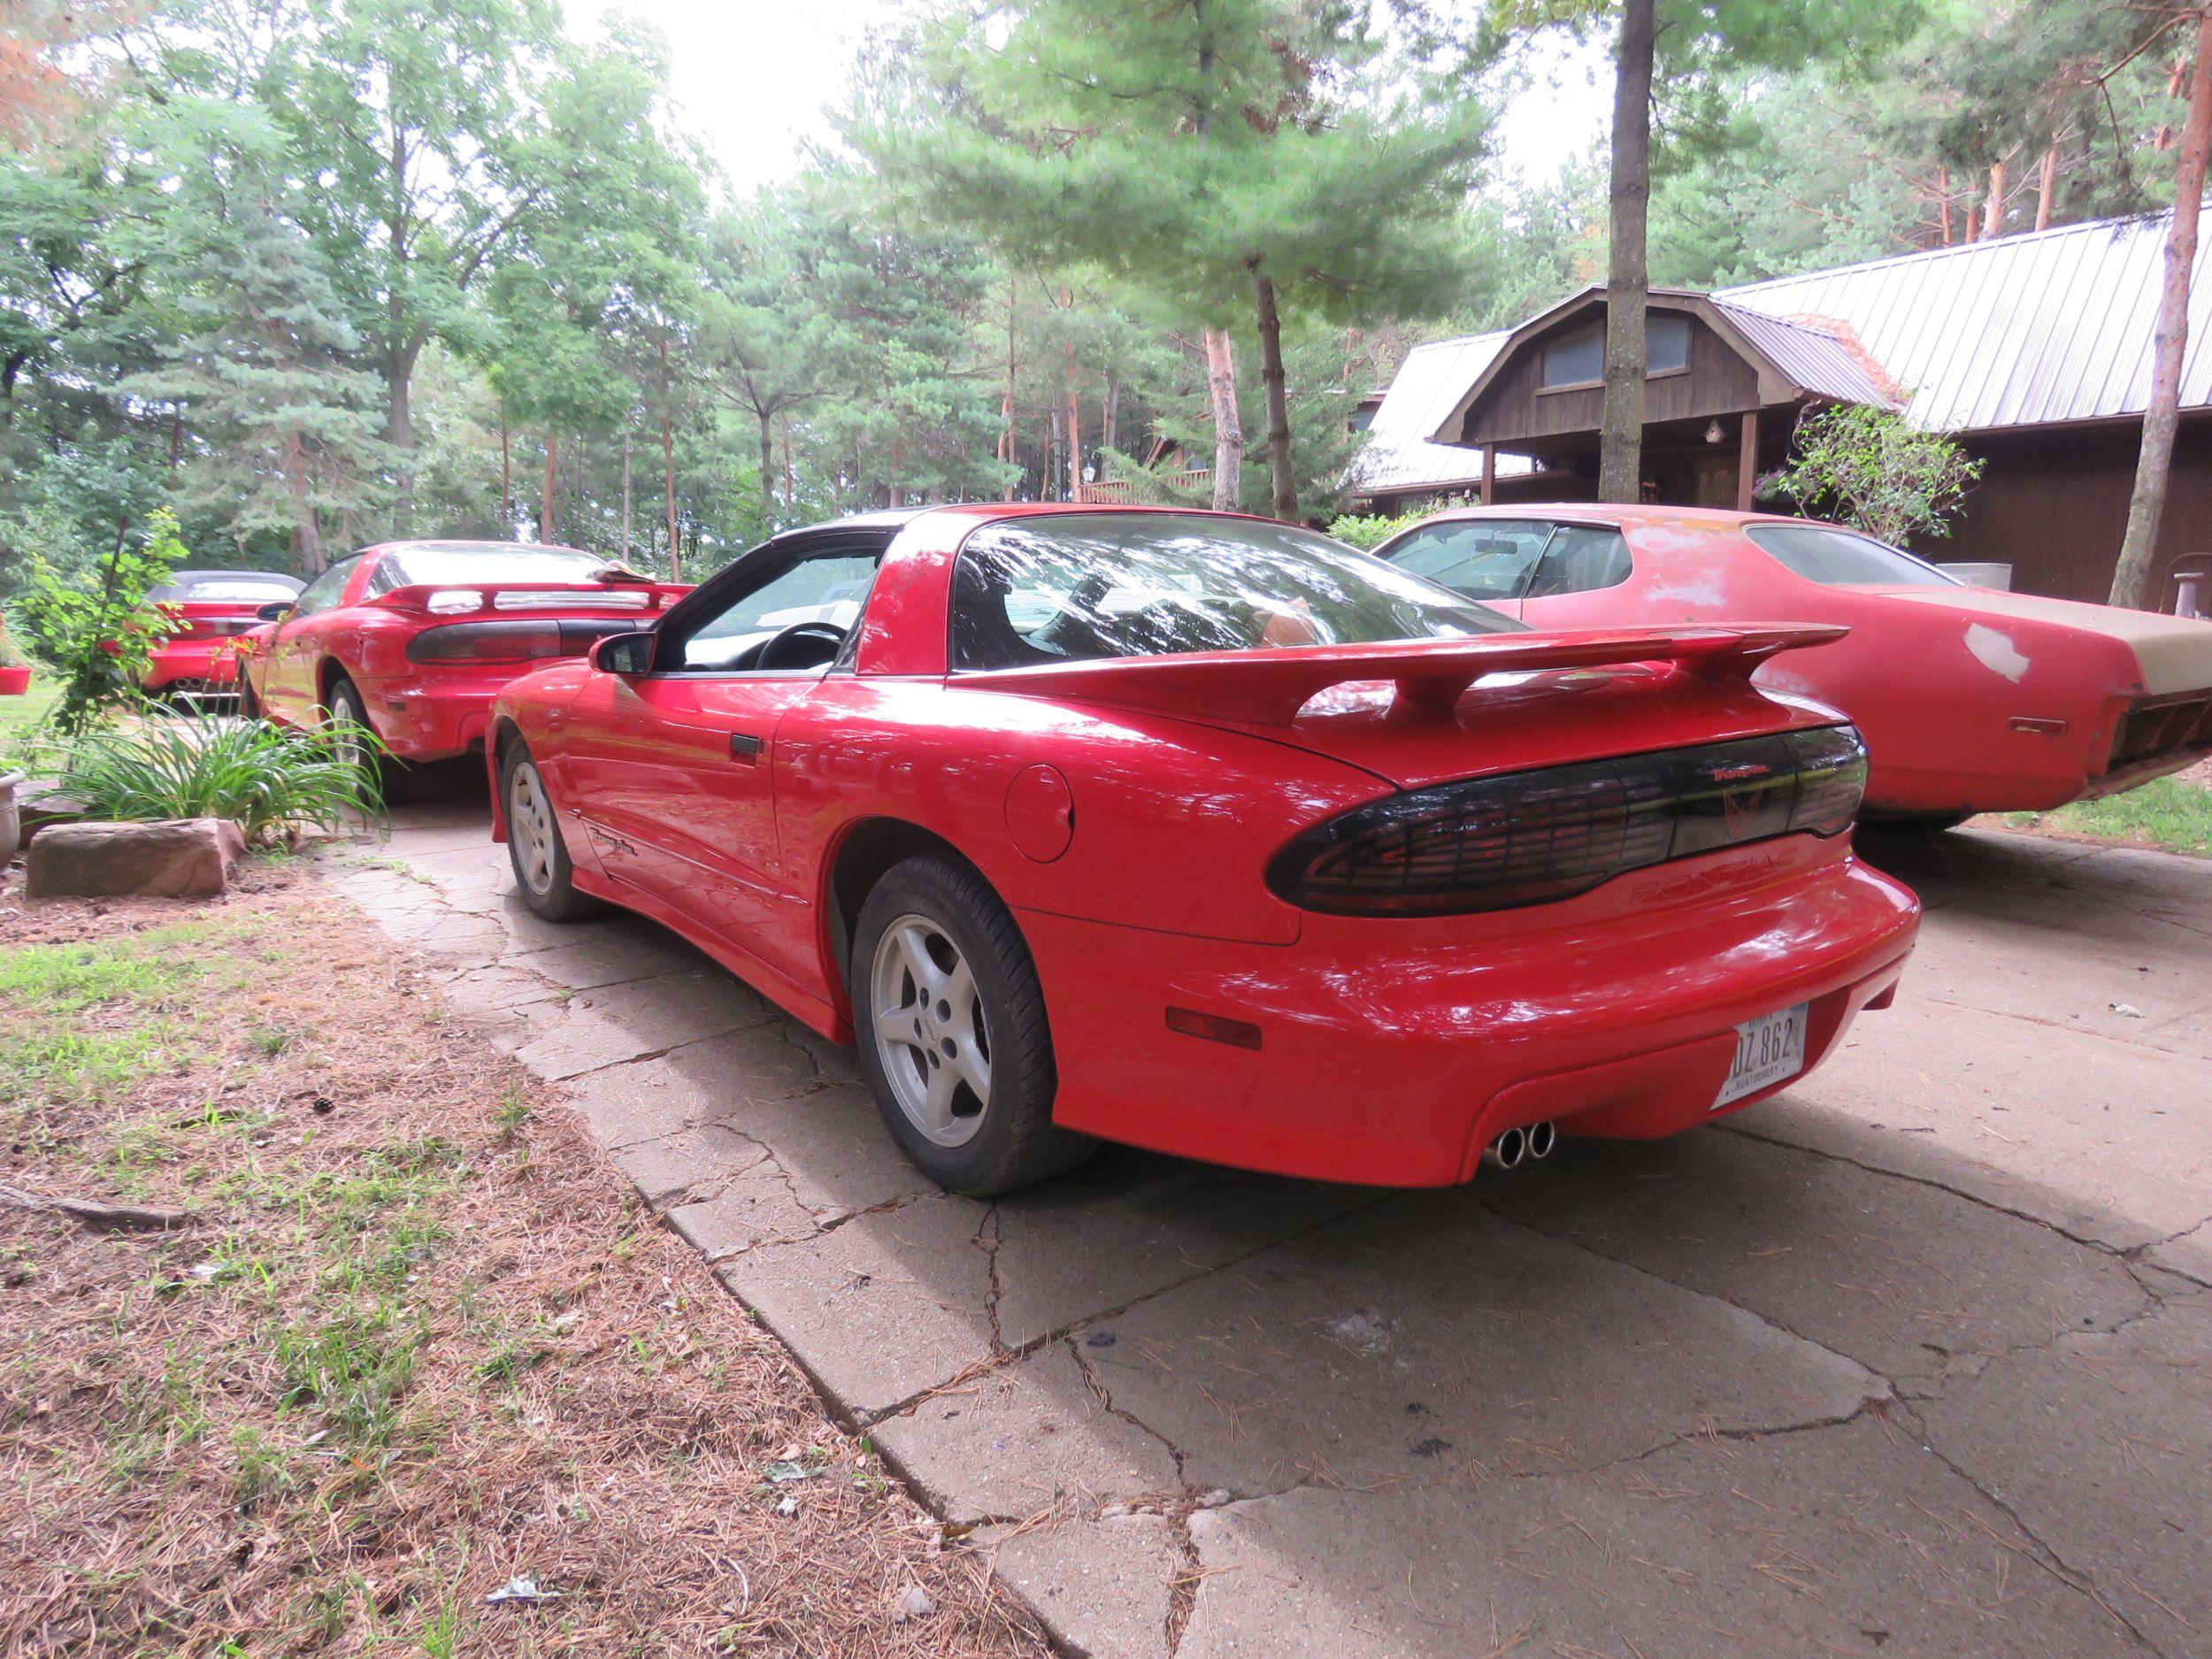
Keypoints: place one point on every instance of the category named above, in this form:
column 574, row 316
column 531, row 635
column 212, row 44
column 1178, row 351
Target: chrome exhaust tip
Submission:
column 1543, row 1141
column 1507, row 1151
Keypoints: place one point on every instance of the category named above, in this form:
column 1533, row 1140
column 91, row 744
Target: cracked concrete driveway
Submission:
column 1915, row 1359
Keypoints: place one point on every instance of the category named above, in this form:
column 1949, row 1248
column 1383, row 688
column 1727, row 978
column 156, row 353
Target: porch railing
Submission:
column 1149, row 489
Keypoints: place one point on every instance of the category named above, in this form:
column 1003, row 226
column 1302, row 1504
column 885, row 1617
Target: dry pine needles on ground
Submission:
column 415, row 1346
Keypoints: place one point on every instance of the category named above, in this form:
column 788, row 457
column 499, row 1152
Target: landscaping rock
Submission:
column 180, row 858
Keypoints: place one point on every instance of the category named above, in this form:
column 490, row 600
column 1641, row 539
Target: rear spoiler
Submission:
column 461, row 599
column 1268, row 687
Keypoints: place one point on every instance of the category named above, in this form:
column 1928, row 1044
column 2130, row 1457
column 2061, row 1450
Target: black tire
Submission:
column 248, row 703
column 549, row 889
column 345, row 702
column 1006, row 1139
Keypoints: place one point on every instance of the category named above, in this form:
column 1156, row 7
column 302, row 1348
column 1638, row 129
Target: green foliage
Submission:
column 1372, row 530
column 100, row 631
column 1874, row 471
column 264, row 780
column 2169, row 812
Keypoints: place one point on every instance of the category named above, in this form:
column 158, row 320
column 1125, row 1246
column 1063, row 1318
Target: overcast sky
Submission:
column 751, row 76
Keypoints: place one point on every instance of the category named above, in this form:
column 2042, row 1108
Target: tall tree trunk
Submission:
column 767, row 475
column 1994, row 225
column 668, row 476
column 1221, row 386
column 790, row 482
column 545, row 497
column 2146, row 508
column 1627, row 277
column 1282, row 480
column 2046, row 188
column 1052, row 454
column 1110, row 417
column 1943, row 201
column 399, row 426
column 506, row 483
column 1075, row 425
column 1006, row 398
column 626, row 493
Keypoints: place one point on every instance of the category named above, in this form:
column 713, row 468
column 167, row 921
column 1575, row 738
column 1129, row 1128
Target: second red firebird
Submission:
column 1215, row 836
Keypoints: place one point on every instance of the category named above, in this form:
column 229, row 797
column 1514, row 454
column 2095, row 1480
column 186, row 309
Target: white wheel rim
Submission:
column 930, row 1032
column 530, row 829
column 346, row 712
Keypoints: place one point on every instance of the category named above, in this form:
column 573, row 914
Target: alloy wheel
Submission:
column 930, row 1031
column 531, row 828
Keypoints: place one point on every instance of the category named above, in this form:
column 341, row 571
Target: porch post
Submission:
column 1747, row 459
column 1489, row 473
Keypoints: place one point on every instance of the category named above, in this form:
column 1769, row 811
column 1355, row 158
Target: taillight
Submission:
column 490, row 643
column 1522, row 838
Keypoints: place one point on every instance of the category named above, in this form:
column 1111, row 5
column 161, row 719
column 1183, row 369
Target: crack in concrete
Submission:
column 2038, row 1550
column 986, row 1240
column 2129, row 1252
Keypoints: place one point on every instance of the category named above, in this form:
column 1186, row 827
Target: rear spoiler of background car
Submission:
column 462, row 599
column 1269, row 687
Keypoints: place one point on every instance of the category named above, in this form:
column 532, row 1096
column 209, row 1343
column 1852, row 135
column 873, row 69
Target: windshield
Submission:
column 1843, row 559
column 1081, row 586
column 431, row 563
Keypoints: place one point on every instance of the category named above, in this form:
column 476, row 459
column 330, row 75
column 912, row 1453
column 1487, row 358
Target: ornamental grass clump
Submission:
column 268, row 782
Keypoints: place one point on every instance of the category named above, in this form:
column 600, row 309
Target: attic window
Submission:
column 1578, row 358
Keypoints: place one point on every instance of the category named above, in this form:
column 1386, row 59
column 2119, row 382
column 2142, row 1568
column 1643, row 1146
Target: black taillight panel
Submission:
column 521, row 640
column 1522, row 838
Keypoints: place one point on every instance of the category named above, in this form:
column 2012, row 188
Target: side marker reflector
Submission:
column 1235, row 1032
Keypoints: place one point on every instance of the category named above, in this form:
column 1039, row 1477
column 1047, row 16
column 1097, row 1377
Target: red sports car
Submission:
column 412, row 639
column 208, row 612
column 1972, row 701
column 1213, row 835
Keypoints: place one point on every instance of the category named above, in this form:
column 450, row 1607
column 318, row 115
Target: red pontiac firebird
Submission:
column 1972, row 701
column 1216, row 836
column 208, row 612
column 412, row 639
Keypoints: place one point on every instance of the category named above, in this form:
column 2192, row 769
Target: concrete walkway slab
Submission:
column 1911, row 1360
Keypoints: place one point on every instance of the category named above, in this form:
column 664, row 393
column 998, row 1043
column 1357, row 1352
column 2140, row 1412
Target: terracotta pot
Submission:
column 14, row 682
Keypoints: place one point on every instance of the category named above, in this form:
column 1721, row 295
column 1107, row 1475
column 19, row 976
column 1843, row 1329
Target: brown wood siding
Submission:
column 2053, row 505
column 1512, row 409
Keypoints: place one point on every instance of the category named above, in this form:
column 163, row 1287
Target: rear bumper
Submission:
column 434, row 717
column 1392, row 1051
column 194, row 666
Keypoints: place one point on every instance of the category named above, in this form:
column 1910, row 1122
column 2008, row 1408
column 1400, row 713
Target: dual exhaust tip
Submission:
column 1518, row 1145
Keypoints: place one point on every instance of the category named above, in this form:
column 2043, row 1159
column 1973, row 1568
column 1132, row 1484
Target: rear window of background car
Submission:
column 430, row 564
column 1843, row 559
column 1078, row 587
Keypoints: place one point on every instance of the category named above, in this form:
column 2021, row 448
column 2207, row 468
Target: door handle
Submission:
column 745, row 748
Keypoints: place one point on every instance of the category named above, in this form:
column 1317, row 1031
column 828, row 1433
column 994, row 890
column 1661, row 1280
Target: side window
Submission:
column 1581, row 559
column 826, row 592
column 1479, row 559
column 322, row 594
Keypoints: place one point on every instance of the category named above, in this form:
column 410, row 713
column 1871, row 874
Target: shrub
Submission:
column 264, row 780
column 100, row 632
column 1372, row 530
column 1874, row 471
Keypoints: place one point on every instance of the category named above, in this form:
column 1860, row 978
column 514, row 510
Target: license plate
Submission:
column 1768, row 1050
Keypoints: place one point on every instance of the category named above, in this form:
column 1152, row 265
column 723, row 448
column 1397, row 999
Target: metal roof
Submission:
column 2046, row 326
column 1398, row 454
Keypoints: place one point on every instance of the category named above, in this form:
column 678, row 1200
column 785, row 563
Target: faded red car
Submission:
column 1972, row 701
column 1213, row 835
column 208, row 613
column 413, row 639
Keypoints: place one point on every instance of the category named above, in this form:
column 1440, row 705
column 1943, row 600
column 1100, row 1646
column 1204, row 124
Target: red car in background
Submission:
column 208, row 610
column 1972, row 701
column 1213, row 835
column 413, row 639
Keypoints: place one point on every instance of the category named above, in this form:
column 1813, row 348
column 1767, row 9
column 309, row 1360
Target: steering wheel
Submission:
column 826, row 637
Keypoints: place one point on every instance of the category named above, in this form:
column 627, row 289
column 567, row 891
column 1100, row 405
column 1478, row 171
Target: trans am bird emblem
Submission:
column 1740, row 808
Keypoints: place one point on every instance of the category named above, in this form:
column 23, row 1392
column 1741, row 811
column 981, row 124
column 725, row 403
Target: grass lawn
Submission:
column 20, row 715
column 410, row 1338
column 2175, row 813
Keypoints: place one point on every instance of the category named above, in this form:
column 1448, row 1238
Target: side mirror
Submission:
column 275, row 611
column 624, row 654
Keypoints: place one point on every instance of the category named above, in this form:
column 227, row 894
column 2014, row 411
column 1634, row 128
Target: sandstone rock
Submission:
column 179, row 858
